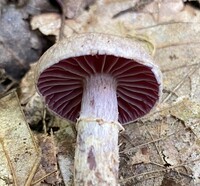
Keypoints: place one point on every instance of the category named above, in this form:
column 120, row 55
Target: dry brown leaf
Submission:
column 48, row 171
column 141, row 156
column 19, row 153
column 188, row 111
column 47, row 23
column 33, row 106
column 65, row 140
column 72, row 10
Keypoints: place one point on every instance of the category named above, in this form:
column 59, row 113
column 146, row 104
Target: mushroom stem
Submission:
column 97, row 152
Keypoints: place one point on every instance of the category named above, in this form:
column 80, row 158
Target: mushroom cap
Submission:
column 61, row 72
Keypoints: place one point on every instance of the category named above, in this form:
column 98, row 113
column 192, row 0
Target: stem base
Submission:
column 97, row 152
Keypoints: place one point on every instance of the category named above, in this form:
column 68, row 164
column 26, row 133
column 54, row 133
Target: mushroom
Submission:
column 101, row 82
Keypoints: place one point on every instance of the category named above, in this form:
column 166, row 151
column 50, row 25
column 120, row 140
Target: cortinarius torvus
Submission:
column 99, row 81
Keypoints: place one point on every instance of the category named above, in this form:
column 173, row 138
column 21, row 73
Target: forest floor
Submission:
column 161, row 149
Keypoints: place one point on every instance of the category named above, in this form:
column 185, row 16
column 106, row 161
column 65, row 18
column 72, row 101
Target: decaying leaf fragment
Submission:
column 48, row 171
column 19, row 155
column 188, row 111
column 48, row 23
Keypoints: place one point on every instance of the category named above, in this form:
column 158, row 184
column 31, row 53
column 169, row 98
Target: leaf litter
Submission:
column 17, row 144
column 162, row 148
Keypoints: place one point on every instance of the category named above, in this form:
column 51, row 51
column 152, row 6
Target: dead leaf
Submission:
column 189, row 112
column 48, row 171
column 72, row 10
column 48, row 23
column 65, row 140
column 19, row 153
column 140, row 156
